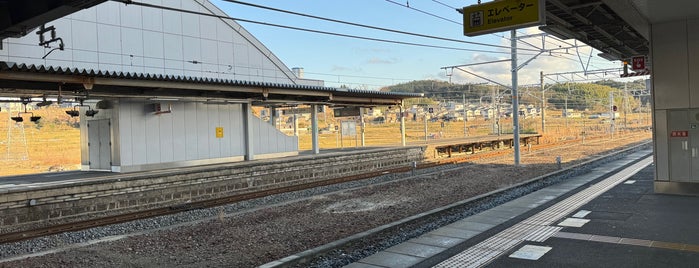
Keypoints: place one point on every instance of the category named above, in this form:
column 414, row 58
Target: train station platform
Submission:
column 597, row 219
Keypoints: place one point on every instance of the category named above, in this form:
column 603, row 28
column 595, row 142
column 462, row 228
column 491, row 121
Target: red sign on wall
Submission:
column 679, row 133
column 638, row 63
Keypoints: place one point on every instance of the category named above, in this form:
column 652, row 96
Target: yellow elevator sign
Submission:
column 503, row 15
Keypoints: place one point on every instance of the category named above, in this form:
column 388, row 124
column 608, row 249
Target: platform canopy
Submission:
column 28, row 81
column 619, row 29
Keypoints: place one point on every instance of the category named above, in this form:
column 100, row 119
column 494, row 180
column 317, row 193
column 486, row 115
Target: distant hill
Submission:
column 579, row 96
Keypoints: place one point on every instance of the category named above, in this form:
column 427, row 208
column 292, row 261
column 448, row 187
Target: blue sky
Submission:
column 370, row 65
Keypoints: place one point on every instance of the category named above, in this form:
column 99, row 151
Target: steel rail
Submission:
column 92, row 223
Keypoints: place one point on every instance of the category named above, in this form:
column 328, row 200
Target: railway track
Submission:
column 81, row 225
column 372, row 241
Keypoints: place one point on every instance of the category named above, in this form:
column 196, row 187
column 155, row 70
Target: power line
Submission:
column 424, row 12
column 368, row 26
column 306, row 30
column 441, row 3
column 359, row 76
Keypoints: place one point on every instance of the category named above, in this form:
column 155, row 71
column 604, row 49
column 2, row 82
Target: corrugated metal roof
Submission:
column 13, row 67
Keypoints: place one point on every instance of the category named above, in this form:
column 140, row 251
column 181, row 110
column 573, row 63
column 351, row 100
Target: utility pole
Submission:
column 464, row 103
column 402, row 125
column 626, row 104
column 611, row 109
column 543, row 105
column 565, row 113
column 515, row 97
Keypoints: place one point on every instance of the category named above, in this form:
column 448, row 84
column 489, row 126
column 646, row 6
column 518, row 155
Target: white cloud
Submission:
column 377, row 60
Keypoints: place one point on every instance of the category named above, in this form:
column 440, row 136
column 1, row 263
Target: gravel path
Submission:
column 255, row 232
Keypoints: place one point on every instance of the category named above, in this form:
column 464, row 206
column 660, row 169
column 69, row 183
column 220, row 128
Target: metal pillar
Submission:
column 425, row 127
column 247, row 131
column 314, row 129
column 296, row 124
column 515, row 97
column 611, row 113
column 361, row 124
column 543, row 105
column 463, row 96
column 402, row 126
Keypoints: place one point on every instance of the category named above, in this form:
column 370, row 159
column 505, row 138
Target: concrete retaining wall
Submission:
column 29, row 208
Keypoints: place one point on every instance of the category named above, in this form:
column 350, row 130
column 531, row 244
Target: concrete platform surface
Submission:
column 611, row 221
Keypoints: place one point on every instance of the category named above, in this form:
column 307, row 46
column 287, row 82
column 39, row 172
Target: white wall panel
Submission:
column 210, row 70
column 108, row 13
column 172, row 22
column 225, row 54
column 153, row 138
column 225, row 122
column 132, row 63
column 202, row 128
column 190, row 130
column 84, row 35
column 110, row 67
column 153, row 44
column 174, row 68
column 189, row 73
column 191, row 49
column 214, row 122
column 109, row 58
column 89, row 14
column 94, row 30
column 258, row 135
column 131, row 16
column 190, row 25
column 224, row 32
column 166, row 137
column 188, row 133
column 62, row 63
column 85, row 59
column 125, row 133
column 172, row 45
column 109, row 38
column 153, row 18
column 669, row 44
column 179, row 138
column 25, row 52
column 207, row 27
column 237, row 131
column 138, row 132
column 131, row 42
column 209, row 51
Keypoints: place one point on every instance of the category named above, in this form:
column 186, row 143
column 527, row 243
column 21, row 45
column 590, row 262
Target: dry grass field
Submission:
column 26, row 148
column 557, row 128
column 54, row 143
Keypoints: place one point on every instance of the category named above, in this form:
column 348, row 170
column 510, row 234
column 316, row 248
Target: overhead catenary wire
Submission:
column 305, row 29
column 370, row 26
column 424, row 12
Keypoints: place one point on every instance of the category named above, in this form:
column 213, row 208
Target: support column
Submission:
column 296, row 124
column 515, row 96
column 543, row 105
column 314, row 129
column 247, row 131
column 273, row 116
column 402, row 126
column 464, row 104
column 361, row 123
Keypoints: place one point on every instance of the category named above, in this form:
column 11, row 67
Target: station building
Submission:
column 161, row 87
